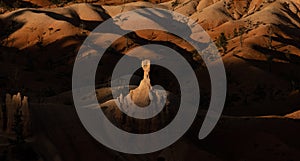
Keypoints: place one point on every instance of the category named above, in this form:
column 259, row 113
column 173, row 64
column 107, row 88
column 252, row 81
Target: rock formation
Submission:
column 161, row 104
column 14, row 104
column 140, row 95
column 26, row 115
column 11, row 108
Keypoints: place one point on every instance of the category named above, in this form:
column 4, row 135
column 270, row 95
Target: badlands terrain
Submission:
column 39, row 40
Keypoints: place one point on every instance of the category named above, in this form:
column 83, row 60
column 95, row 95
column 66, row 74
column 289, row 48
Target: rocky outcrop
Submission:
column 13, row 105
column 140, row 95
column 161, row 104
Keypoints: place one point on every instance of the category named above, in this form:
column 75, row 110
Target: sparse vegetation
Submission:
column 10, row 5
column 175, row 3
column 287, row 55
column 222, row 42
column 270, row 56
column 269, row 37
column 127, row 43
column 61, row 2
column 17, row 4
column 269, row 1
column 4, row 6
column 235, row 32
column 241, row 33
column 40, row 41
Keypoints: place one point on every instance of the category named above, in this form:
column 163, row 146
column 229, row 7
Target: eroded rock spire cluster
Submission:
column 8, row 110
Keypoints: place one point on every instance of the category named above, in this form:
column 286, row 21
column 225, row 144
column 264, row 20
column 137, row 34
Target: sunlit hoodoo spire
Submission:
column 140, row 95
